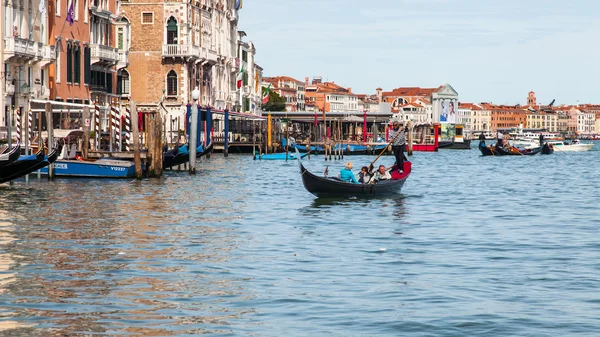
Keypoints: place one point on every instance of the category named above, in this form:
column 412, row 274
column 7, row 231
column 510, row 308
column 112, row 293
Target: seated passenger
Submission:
column 347, row 175
column 364, row 176
column 381, row 174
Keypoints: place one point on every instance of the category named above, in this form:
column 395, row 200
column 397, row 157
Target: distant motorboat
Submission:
column 576, row 147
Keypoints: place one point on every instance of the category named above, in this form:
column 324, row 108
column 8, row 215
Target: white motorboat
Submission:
column 573, row 147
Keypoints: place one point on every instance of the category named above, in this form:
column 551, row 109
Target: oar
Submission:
column 382, row 152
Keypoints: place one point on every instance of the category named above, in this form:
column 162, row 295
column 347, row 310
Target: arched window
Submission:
column 124, row 82
column 172, row 83
column 172, row 31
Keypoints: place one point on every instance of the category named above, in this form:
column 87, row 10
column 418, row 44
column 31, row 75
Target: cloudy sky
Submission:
column 487, row 50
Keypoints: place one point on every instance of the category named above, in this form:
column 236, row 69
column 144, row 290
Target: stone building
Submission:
column 178, row 46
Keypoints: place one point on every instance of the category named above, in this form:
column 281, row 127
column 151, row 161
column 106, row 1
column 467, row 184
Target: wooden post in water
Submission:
column 86, row 131
column 40, row 142
column 50, row 129
column 309, row 138
column 136, row 140
column 269, row 134
column 226, row 135
column 25, row 134
column 253, row 140
column 111, row 137
column 410, row 139
column 157, row 158
column 287, row 141
column 150, row 144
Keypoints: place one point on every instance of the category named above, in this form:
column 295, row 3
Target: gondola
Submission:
column 182, row 155
column 493, row 150
column 18, row 170
column 279, row 156
column 334, row 187
column 547, row 148
column 10, row 156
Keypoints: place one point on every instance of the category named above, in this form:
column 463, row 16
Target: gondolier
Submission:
column 399, row 142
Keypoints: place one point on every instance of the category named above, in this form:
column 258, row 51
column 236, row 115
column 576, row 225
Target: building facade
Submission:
column 28, row 55
column 177, row 47
column 291, row 89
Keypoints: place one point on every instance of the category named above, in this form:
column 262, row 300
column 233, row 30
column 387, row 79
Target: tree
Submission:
column 275, row 103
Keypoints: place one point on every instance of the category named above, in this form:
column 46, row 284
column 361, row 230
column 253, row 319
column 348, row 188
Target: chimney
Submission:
column 379, row 95
column 350, row 90
column 306, row 80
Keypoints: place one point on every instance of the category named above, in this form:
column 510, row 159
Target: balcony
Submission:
column 123, row 57
column 100, row 12
column 185, row 51
column 99, row 88
column 211, row 56
column 19, row 50
column 235, row 64
column 103, row 55
column 48, row 55
column 10, row 88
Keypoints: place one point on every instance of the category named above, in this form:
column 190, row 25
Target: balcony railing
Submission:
column 211, row 56
column 17, row 49
column 123, row 58
column 103, row 54
column 181, row 50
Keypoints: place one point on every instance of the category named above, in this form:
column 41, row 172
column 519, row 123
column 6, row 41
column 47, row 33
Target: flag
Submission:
column 42, row 7
column 240, row 77
column 256, row 81
column 265, row 98
column 70, row 15
column 238, row 5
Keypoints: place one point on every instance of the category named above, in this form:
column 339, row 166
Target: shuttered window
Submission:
column 87, row 73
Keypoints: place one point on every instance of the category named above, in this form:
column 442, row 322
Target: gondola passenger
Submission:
column 347, row 175
column 364, row 176
column 381, row 174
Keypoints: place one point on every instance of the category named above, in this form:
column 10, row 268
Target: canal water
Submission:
column 486, row 246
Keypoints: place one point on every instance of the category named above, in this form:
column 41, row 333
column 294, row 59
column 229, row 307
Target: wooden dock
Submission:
column 117, row 155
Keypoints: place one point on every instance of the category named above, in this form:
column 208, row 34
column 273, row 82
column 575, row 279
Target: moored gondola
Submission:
column 13, row 172
column 334, row 187
column 10, row 156
column 181, row 155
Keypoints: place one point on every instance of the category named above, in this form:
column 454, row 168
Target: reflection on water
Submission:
column 242, row 249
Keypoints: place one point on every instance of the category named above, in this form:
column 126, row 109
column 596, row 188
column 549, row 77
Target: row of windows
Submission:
column 73, row 70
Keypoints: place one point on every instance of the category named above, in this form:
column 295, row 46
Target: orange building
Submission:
column 506, row 116
column 328, row 97
column 86, row 66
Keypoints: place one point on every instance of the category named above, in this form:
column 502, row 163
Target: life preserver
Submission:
column 78, row 157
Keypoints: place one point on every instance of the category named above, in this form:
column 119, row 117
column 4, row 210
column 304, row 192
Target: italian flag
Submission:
column 240, row 77
column 265, row 97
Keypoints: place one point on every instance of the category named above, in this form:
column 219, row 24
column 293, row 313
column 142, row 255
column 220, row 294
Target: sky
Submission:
column 487, row 50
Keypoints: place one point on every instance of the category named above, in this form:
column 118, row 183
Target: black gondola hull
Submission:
column 13, row 155
column 40, row 162
column 333, row 187
column 547, row 149
column 496, row 151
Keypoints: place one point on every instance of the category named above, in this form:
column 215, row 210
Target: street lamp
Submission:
column 193, row 130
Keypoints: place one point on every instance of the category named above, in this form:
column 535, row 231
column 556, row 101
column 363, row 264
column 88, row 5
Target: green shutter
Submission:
column 69, row 63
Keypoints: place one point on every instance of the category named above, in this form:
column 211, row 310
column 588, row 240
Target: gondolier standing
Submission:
column 398, row 137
